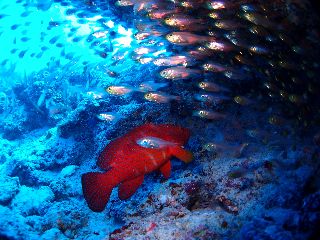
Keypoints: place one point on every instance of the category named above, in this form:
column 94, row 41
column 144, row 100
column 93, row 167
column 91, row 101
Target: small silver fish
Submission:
column 96, row 94
column 100, row 34
column 211, row 98
column 224, row 149
column 209, row 115
column 109, row 116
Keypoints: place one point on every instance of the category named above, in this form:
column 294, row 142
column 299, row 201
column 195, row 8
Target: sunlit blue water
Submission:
column 26, row 39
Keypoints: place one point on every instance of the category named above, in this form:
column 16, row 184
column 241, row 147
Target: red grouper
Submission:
column 126, row 161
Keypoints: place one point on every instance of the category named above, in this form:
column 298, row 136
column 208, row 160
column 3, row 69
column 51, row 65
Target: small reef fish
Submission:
column 25, row 39
column 236, row 40
column 258, row 50
column 181, row 21
column 153, row 142
column 124, row 3
column 3, row 15
column 187, row 38
column 141, row 35
column 22, row 53
column 259, row 135
column 258, row 30
column 218, row 5
column 214, row 67
column 4, row 62
column 161, row 13
column 211, row 98
column 112, row 73
column 209, row 115
column 39, row 55
column 190, row 4
column 219, row 46
column 25, row 14
column 235, row 75
column 126, row 163
column 151, row 86
column 145, row 50
column 173, row 61
column 77, row 39
column 139, row 5
column 96, row 94
column 120, row 90
column 44, row 48
column 228, row 24
column 244, row 60
column 145, row 34
column 260, row 20
column 179, row 72
column 54, row 39
column 276, row 120
column 243, row 100
column 201, row 53
column 212, row 87
column 15, row 26
column 145, row 60
column 215, row 15
column 225, row 149
column 100, row 34
column 14, row 50
column 109, row 116
column 44, row 5
column 160, row 97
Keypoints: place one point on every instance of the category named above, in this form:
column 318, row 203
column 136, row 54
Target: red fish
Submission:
column 126, row 162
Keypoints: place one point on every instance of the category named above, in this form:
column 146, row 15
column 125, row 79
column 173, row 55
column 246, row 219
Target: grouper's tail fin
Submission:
column 96, row 189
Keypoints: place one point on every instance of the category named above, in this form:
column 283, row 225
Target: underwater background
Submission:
column 241, row 77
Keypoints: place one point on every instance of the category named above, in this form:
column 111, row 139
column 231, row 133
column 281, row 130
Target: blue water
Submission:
column 254, row 139
column 34, row 26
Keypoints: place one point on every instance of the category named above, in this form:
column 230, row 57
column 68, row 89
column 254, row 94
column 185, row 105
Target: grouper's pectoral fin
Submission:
column 128, row 188
column 165, row 169
column 182, row 154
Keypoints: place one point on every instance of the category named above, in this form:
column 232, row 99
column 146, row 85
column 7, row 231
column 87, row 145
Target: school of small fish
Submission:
column 248, row 53
column 244, row 52
column 83, row 24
